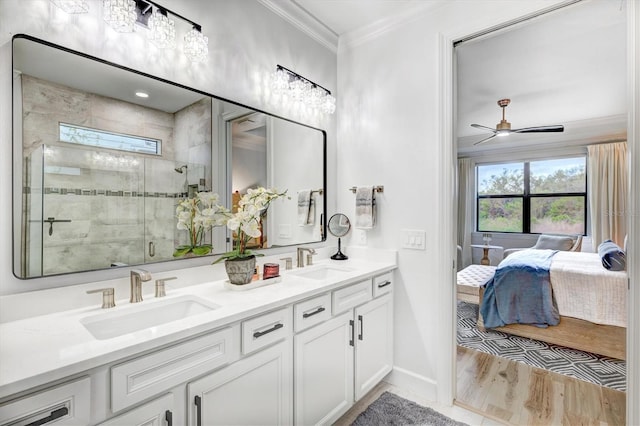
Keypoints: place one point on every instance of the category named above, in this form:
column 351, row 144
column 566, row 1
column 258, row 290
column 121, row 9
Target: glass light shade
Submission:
column 328, row 104
column 280, row 82
column 72, row 6
column 297, row 89
column 196, row 46
column 162, row 30
column 120, row 14
column 315, row 96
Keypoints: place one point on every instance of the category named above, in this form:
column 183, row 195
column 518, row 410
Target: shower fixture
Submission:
column 181, row 169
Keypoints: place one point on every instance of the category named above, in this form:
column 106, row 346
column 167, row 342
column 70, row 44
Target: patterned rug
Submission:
column 390, row 409
column 603, row 371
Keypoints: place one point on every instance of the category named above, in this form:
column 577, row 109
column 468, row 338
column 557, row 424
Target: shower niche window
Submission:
column 96, row 209
column 103, row 139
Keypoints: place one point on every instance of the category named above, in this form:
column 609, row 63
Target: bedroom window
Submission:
column 542, row 196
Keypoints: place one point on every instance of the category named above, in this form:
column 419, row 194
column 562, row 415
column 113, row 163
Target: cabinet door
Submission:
column 256, row 390
column 324, row 371
column 156, row 413
column 374, row 343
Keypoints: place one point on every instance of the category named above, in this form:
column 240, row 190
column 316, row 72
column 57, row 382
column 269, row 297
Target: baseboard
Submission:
column 408, row 380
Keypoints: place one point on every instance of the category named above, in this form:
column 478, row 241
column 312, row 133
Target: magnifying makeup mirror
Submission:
column 339, row 226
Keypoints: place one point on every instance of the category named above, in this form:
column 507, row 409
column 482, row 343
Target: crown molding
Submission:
column 300, row 18
column 378, row 28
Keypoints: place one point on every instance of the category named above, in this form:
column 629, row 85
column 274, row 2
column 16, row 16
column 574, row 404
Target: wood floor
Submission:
column 517, row 394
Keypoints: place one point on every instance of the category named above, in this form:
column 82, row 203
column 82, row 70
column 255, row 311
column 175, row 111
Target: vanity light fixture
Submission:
column 196, row 45
column 72, row 6
column 162, row 29
column 302, row 91
column 120, row 14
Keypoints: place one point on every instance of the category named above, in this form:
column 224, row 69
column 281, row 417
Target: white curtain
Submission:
column 607, row 186
column 466, row 199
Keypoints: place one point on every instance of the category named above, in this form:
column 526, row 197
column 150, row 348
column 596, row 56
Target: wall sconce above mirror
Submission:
column 99, row 171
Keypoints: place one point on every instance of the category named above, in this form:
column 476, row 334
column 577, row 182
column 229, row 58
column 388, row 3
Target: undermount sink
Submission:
column 320, row 272
column 117, row 323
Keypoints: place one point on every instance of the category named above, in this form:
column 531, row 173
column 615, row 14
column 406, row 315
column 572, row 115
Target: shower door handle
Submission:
column 152, row 249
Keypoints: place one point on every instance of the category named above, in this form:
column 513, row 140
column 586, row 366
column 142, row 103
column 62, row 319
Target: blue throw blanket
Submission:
column 520, row 291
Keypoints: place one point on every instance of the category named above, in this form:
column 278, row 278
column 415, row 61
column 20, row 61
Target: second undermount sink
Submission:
column 320, row 272
column 117, row 323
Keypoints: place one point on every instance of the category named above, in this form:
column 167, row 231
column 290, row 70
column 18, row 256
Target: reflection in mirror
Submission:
column 275, row 153
column 339, row 226
column 103, row 169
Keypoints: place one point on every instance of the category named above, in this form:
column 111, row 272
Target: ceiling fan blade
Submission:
column 478, row 126
column 485, row 139
column 540, row 129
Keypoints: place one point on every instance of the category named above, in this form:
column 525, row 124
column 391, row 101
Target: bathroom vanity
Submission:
column 299, row 351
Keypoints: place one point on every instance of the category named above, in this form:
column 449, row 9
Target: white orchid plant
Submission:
column 245, row 223
column 197, row 216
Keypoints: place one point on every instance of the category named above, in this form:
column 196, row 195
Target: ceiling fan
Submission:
column 503, row 128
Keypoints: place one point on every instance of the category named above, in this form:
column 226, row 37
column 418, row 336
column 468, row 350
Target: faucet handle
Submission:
column 310, row 258
column 160, row 290
column 108, row 299
column 288, row 263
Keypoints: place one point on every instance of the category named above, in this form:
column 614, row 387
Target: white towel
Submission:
column 306, row 208
column 365, row 208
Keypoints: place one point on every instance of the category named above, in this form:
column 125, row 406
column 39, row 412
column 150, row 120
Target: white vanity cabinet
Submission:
column 303, row 361
column 340, row 360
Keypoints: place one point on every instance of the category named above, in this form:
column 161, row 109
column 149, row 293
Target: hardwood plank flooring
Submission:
column 517, row 394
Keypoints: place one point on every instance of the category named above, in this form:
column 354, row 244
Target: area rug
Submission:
column 390, row 409
column 601, row 370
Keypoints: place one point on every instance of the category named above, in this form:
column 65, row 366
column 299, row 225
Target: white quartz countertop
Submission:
column 41, row 349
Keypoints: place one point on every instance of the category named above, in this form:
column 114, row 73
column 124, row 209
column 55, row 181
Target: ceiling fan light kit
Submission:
column 503, row 128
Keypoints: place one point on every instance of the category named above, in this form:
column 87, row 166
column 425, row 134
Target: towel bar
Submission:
column 377, row 188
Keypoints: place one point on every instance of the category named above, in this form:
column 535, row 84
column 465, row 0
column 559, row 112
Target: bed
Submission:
column 591, row 304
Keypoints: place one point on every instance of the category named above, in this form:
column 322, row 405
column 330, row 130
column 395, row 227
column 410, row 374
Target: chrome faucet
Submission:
column 137, row 277
column 300, row 257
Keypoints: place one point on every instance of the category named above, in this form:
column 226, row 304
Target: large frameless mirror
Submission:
column 103, row 154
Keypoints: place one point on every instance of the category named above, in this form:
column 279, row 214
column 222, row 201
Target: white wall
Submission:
column 388, row 133
column 246, row 41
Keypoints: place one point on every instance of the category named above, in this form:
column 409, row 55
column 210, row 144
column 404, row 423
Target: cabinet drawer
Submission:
column 149, row 375
column 67, row 404
column 266, row 329
column 382, row 284
column 311, row 312
column 352, row 296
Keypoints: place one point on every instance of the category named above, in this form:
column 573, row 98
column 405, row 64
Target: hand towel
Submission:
column 365, row 208
column 306, row 208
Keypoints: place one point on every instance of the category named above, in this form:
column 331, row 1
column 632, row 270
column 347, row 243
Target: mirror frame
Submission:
column 223, row 162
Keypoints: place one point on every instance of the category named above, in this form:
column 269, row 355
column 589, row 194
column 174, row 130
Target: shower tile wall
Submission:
column 117, row 202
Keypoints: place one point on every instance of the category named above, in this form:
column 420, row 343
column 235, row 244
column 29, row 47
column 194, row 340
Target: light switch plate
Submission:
column 414, row 239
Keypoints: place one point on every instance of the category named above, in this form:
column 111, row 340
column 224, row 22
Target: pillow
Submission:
column 612, row 256
column 554, row 242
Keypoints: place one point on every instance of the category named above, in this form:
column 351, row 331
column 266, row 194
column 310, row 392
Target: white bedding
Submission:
column 584, row 289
